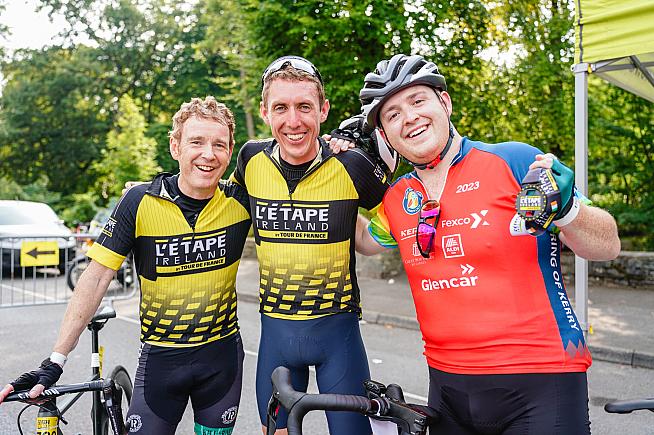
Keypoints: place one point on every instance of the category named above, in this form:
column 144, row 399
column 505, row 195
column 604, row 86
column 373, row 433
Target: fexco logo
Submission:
column 465, row 280
column 474, row 221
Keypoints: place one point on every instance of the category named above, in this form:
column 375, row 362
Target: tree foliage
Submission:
column 54, row 118
column 507, row 66
column 129, row 155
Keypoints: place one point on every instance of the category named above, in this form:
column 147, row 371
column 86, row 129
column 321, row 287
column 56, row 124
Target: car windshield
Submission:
column 26, row 214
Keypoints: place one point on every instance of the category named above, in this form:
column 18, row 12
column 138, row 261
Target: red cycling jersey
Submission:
column 487, row 301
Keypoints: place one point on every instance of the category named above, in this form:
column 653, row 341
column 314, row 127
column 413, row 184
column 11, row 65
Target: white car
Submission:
column 22, row 221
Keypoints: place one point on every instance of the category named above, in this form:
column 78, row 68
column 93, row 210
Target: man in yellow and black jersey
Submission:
column 304, row 202
column 187, row 233
column 187, row 251
column 304, row 227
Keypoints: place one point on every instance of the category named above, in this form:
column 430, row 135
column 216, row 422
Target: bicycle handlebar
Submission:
column 57, row 391
column 111, row 394
column 627, row 406
column 412, row 419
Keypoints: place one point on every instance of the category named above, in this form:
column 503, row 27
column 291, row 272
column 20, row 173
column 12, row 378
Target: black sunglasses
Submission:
column 296, row 62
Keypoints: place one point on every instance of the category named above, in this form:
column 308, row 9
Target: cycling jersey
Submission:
column 187, row 272
column 305, row 235
column 487, row 301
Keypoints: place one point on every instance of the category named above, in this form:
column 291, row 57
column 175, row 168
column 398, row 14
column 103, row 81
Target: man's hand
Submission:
column 337, row 145
column 38, row 380
column 130, row 184
column 564, row 177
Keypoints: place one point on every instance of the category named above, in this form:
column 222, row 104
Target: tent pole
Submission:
column 581, row 71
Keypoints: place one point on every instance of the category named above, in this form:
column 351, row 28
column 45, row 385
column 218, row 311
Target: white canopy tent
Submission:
column 615, row 41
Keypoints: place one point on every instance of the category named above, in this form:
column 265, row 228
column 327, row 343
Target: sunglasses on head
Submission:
column 426, row 231
column 296, row 62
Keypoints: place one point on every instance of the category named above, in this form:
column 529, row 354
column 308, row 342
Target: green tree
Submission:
column 538, row 91
column 129, row 155
column 343, row 39
column 54, row 118
column 228, row 36
column 621, row 144
column 151, row 50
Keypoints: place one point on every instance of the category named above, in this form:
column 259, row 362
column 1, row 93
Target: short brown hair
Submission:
column 292, row 75
column 208, row 108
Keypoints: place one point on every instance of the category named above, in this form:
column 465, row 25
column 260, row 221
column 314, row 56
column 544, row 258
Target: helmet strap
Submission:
column 441, row 156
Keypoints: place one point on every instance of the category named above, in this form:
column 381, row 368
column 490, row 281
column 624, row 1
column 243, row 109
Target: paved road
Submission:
column 26, row 336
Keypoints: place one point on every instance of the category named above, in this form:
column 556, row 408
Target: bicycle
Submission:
column 108, row 394
column 126, row 275
column 384, row 404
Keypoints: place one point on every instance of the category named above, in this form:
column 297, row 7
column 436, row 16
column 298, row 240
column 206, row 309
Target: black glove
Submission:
column 352, row 129
column 47, row 375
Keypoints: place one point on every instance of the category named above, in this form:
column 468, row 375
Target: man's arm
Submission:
column 88, row 294
column 363, row 241
column 592, row 235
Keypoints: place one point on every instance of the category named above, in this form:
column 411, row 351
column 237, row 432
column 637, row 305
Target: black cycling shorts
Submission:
column 332, row 344
column 209, row 374
column 514, row 404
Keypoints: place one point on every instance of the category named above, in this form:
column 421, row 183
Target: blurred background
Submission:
column 88, row 87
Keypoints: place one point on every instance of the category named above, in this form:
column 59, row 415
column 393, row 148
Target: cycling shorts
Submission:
column 332, row 344
column 209, row 374
column 516, row 404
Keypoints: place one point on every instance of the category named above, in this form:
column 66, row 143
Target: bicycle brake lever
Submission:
column 374, row 388
column 112, row 396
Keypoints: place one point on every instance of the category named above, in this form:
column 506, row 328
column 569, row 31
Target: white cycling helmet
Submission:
column 372, row 142
column 391, row 76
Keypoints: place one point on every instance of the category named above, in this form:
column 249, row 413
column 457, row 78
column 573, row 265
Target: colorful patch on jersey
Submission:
column 412, row 201
column 452, row 246
column 109, row 227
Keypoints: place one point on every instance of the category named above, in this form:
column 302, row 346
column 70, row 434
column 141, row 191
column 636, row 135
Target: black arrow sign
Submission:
column 35, row 252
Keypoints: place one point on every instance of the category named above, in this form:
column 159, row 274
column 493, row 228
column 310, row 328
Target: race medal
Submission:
column 538, row 200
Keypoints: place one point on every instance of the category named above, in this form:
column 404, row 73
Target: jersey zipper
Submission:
column 306, row 174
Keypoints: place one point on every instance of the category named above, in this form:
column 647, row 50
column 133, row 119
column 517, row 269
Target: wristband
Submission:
column 571, row 215
column 58, row 358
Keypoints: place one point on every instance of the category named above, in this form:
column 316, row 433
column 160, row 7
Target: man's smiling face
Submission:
column 203, row 152
column 294, row 114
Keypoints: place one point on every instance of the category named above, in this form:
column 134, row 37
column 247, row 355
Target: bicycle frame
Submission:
column 95, row 384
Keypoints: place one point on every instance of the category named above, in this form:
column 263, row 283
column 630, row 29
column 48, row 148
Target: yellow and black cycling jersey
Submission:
column 304, row 232
column 187, row 271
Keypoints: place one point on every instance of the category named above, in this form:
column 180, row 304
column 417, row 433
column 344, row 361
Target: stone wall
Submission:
column 630, row 269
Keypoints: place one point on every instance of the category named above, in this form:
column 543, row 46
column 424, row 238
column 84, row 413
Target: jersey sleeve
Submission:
column 379, row 229
column 369, row 179
column 117, row 237
column 518, row 157
column 247, row 151
column 235, row 190
column 238, row 176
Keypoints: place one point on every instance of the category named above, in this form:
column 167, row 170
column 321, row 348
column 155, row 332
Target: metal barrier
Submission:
column 44, row 270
